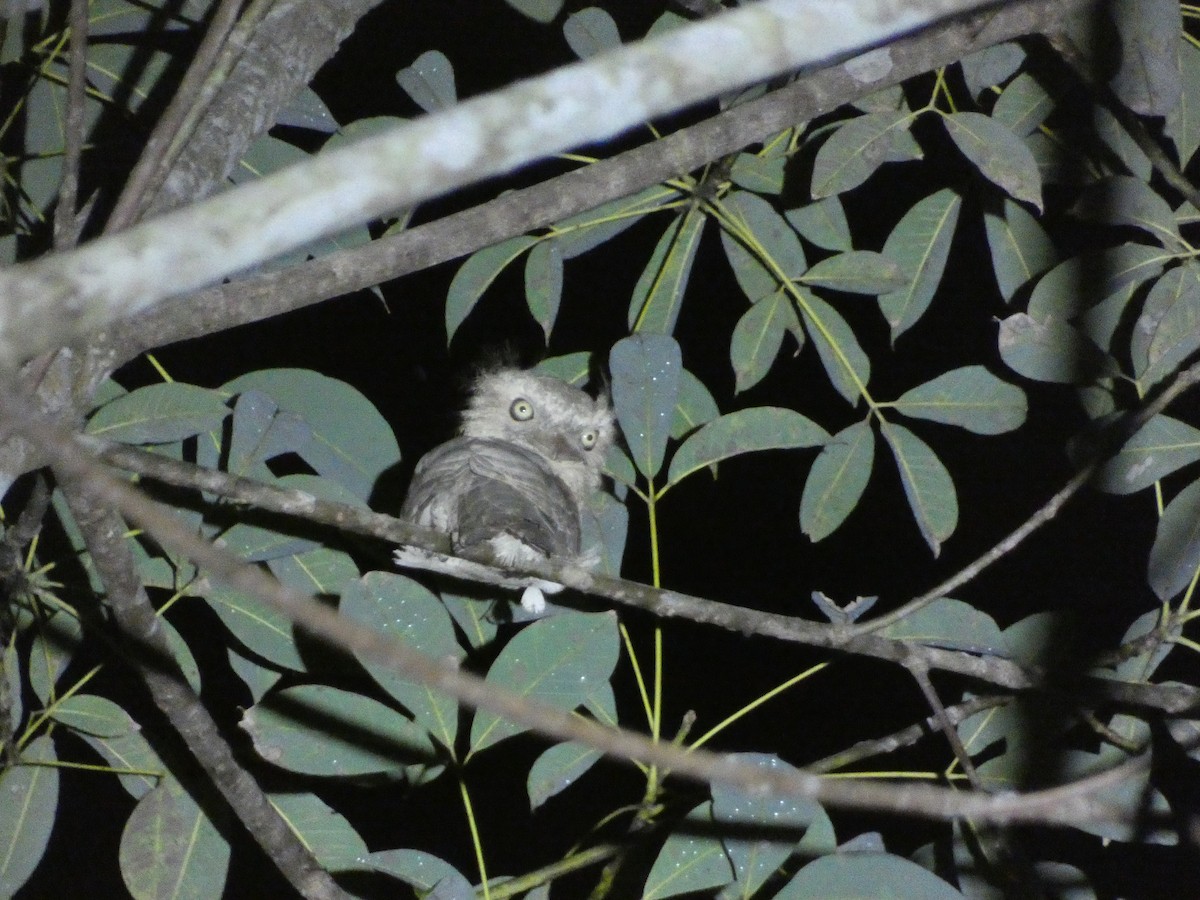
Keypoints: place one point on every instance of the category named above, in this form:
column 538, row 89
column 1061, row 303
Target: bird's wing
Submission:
column 478, row 489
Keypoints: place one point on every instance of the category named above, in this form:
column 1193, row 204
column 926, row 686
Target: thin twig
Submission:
column 66, row 228
column 1108, row 443
column 905, row 737
column 920, row 672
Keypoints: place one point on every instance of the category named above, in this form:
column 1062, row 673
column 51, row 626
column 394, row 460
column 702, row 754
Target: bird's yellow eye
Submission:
column 521, row 410
column 589, row 438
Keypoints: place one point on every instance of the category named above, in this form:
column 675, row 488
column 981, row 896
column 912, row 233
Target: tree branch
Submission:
column 103, row 533
column 59, row 299
column 262, row 296
column 1068, row 805
column 1000, row 672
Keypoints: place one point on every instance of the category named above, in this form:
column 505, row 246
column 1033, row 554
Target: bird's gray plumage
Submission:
column 519, row 477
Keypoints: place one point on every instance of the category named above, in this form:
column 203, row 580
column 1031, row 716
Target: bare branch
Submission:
column 66, row 229
column 190, row 102
column 1069, row 805
column 103, row 533
column 1174, row 698
column 261, row 296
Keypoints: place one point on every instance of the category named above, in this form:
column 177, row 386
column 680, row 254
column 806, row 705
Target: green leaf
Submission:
column 1139, row 809
column 258, row 678
column 1147, row 78
column 658, row 294
column 971, row 398
column 256, row 543
column 848, row 367
column 755, row 858
column 30, row 794
column 695, row 407
column 1161, row 446
column 544, row 284
column 591, row 31
column 400, row 608
column 1000, row 155
column 262, row 431
column 927, row 485
column 92, row 714
column 429, row 81
column 848, row 876
column 476, row 275
column 1183, row 121
column 1176, row 551
column 332, row 840
column 1051, row 351
column 422, row 870
column 257, row 626
column 690, row 860
column 824, row 223
column 1122, row 145
column 315, row 729
column 1020, row 247
column 953, row 624
column 857, row 272
column 645, row 388
column 474, row 617
column 352, row 444
column 992, row 66
column 557, row 769
column 1066, row 290
column 542, row 11
column 323, row 572
column 57, row 640
column 1122, row 200
column 1023, row 105
column 573, row 368
column 590, row 229
column 169, row 848
column 745, row 431
column 837, row 480
column 556, row 661
column 757, row 337
column 920, row 243
column 1168, row 330
column 761, row 174
column 762, row 248
column 138, row 767
column 159, row 414
column 854, row 151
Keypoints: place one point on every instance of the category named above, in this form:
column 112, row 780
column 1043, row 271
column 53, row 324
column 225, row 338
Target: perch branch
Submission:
column 1177, row 699
column 1068, row 805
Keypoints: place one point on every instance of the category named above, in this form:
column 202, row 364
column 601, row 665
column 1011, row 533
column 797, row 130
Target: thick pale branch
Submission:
column 56, row 300
column 259, row 297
